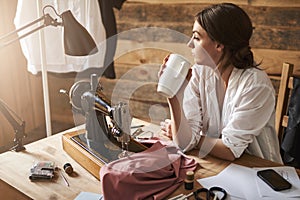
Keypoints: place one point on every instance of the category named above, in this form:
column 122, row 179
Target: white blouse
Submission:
column 243, row 116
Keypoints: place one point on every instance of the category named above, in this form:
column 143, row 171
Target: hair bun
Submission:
column 243, row 58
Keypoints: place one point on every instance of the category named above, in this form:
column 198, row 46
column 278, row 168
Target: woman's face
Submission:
column 202, row 46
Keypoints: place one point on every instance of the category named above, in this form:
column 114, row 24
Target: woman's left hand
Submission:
column 166, row 128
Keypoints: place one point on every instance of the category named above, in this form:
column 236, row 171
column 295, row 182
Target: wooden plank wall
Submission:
column 150, row 29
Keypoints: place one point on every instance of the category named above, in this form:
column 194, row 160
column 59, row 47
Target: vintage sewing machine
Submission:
column 106, row 136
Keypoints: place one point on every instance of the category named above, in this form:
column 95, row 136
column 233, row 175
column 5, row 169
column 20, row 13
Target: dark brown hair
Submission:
column 229, row 25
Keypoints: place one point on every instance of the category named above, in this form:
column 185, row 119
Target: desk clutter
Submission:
column 42, row 170
column 215, row 193
column 46, row 171
column 243, row 183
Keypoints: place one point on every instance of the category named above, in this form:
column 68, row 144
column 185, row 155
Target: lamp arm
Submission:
column 19, row 128
column 48, row 20
column 22, row 28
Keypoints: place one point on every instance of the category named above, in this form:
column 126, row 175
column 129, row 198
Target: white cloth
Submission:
column 87, row 14
column 245, row 119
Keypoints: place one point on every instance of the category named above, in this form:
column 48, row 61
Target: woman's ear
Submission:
column 219, row 47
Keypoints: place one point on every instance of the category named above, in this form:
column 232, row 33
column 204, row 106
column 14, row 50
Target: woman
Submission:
column 227, row 107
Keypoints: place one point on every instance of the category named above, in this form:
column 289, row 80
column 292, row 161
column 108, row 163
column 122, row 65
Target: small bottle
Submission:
column 189, row 180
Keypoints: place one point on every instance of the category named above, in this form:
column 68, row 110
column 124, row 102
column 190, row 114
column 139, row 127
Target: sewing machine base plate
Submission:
column 91, row 155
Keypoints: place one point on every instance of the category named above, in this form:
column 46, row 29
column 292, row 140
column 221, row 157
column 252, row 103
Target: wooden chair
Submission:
column 286, row 84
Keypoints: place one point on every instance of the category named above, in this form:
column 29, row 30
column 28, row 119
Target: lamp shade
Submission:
column 77, row 40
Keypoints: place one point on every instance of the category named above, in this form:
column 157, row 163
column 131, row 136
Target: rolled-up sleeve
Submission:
column 192, row 110
column 248, row 116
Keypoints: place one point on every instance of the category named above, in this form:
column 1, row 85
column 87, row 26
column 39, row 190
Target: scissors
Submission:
column 211, row 193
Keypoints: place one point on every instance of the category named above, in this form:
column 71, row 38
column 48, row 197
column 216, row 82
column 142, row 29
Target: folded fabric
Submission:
column 151, row 174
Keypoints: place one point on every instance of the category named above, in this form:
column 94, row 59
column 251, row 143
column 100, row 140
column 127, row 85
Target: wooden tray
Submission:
column 79, row 154
column 92, row 159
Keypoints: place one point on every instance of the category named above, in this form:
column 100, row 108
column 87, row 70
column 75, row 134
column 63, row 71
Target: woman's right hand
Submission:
column 163, row 66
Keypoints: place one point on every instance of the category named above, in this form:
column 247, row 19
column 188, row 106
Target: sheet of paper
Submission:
column 214, row 181
column 89, row 196
column 241, row 183
column 290, row 174
column 233, row 179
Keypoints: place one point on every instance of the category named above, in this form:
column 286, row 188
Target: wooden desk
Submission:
column 15, row 166
column 14, row 170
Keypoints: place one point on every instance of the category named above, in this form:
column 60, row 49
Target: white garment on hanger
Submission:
column 87, row 13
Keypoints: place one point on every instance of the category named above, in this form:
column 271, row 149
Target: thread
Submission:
column 68, row 168
column 189, row 180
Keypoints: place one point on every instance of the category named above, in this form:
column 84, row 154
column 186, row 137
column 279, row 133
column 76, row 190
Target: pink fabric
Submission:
column 152, row 174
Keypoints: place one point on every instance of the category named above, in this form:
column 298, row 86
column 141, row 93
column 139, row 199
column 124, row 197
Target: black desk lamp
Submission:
column 77, row 42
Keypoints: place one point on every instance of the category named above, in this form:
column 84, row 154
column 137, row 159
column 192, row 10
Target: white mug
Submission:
column 173, row 76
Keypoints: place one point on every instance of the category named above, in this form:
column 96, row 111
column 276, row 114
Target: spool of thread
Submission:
column 189, row 180
column 68, row 168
